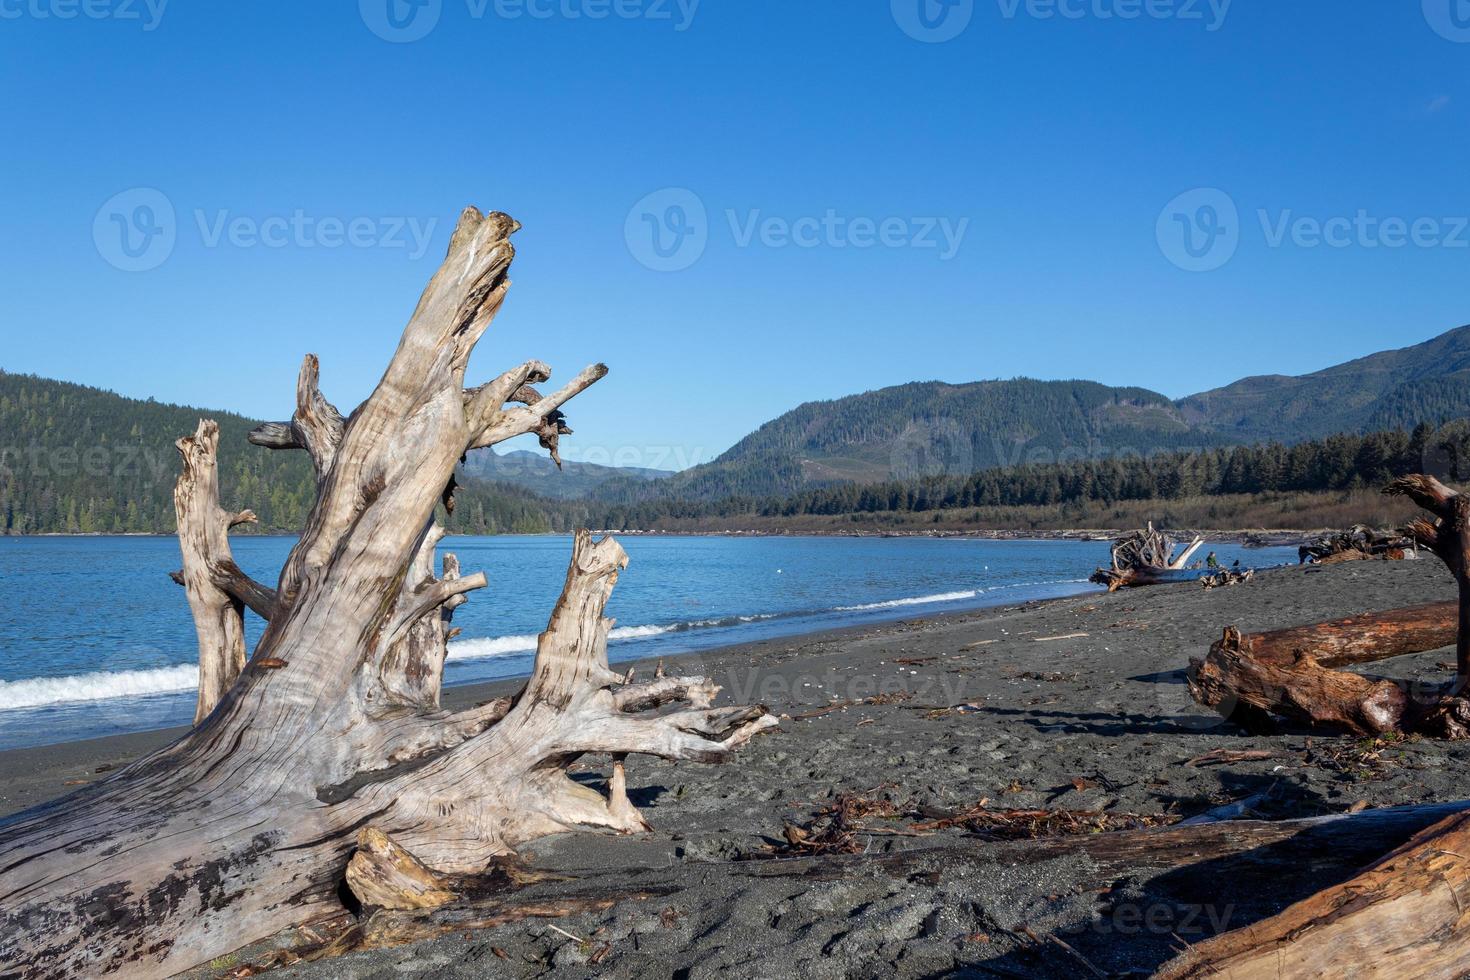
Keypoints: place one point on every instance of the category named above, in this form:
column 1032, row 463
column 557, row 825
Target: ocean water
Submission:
column 95, row 639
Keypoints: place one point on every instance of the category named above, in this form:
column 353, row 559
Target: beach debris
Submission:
column 840, row 826
column 834, row 828
column 1028, row 824
column 1357, row 543
column 1222, row 755
column 1059, row 636
column 1227, row 576
column 1050, row 676
column 893, row 697
column 1361, row 759
column 570, row 935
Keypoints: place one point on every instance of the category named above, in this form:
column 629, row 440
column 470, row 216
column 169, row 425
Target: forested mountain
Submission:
column 932, row 428
column 1336, row 463
column 1394, row 388
column 79, row 459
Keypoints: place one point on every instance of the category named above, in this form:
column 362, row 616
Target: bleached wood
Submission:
column 216, row 588
column 247, row 824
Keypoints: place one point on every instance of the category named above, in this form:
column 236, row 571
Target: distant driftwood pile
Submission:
column 1147, row 557
column 1357, row 543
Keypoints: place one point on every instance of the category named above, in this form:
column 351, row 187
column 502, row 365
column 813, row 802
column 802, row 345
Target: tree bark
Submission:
column 1358, row 639
column 1406, row 916
column 246, row 824
column 1251, row 690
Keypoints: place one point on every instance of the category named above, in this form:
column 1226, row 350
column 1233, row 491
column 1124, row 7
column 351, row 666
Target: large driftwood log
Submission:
column 1252, row 690
column 1358, row 639
column 1289, row 674
column 1251, row 676
column 1141, row 575
column 1406, row 916
column 247, row 823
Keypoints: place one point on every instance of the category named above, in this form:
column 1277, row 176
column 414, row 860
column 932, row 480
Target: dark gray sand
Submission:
column 1100, row 721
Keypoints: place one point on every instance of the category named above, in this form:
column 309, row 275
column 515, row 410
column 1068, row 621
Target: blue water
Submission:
column 95, row 638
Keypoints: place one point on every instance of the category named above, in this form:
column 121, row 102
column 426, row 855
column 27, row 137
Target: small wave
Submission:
column 917, row 600
column 37, row 692
column 489, row 647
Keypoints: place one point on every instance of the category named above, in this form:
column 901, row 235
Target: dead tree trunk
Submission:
column 1250, row 676
column 1289, row 673
column 246, row 824
column 1448, row 536
column 1358, row 639
column 218, row 590
column 1406, row 916
column 1251, row 690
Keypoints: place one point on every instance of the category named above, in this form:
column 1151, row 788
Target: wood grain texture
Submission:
column 247, row 823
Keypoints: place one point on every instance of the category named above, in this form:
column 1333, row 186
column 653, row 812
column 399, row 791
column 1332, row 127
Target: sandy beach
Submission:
column 1070, row 704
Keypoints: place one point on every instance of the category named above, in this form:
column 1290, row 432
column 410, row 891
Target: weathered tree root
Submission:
column 246, row 824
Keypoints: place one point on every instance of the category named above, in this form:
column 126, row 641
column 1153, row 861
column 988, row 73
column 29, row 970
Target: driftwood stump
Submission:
column 247, row 824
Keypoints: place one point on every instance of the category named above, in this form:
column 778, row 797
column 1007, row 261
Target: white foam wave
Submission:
column 489, row 647
column 917, row 600
column 36, row 692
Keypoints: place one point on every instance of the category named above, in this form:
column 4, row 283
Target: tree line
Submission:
column 1340, row 462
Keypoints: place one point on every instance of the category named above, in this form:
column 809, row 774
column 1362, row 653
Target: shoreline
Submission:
column 31, row 774
column 1074, row 704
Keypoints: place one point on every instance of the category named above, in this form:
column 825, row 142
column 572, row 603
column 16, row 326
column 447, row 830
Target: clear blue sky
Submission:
column 1055, row 143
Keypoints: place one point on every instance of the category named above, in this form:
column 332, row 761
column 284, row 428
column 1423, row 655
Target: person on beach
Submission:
column 1211, row 561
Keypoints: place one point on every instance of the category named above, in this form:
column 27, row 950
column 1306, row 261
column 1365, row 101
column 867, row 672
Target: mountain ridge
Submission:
column 934, row 427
